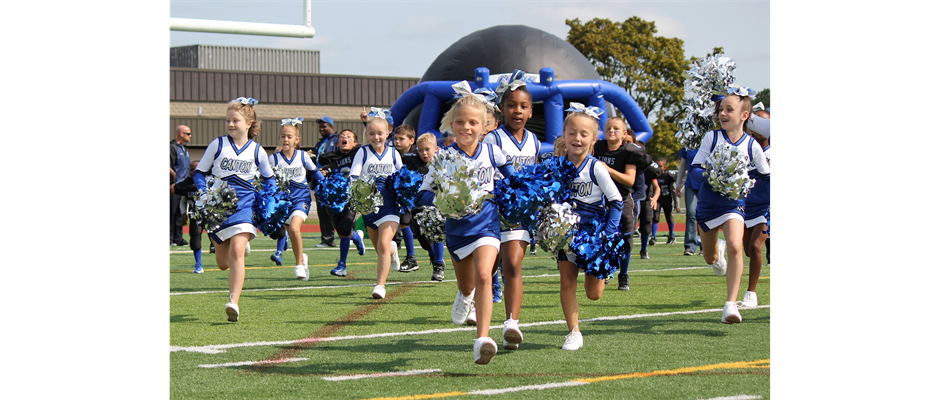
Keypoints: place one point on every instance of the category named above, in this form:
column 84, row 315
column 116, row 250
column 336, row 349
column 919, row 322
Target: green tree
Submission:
column 648, row 67
column 763, row 96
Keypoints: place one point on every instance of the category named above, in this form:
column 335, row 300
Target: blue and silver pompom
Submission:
column 333, row 192
column 270, row 210
column 364, row 195
column 598, row 253
column 457, row 191
column 726, row 172
column 431, row 222
column 404, row 184
column 555, row 227
column 215, row 204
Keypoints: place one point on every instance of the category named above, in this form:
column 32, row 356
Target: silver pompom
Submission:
column 431, row 222
column 706, row 77
column 281, row 179
column 215, row 204
column 554, row 229
column 364, row 196
column 456, row 185
column 726, row 171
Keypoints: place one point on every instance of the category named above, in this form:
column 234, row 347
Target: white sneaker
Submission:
column 378, row 292
column 301, row 271
column 512, row 336
column 484, row 349
column 749, row 300
column 730, row 314
column 472, row 315
column 396, row 263
column 247, row 248
column 461, row 308
column 721, row 266
column 231, row 309
column 573, row 341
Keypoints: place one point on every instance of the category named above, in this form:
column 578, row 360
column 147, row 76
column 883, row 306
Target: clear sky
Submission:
column 402, row 38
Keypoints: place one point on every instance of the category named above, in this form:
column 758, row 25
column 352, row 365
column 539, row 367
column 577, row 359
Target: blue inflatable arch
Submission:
column 434, row 94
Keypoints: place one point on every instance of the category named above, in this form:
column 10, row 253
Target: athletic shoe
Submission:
column 306, row 268
column 231, row 309
column 276, row 257
column 438, row 274
column 472, row 315
column 652, row 241
column 461, row 308
column 360, row 247
column 182, row 242
column 211, row 248
column 718, row 268
column 378, row 292
column 327, row 244
column 396, row 262
column 573, row 341
column 301, row 271
column 484, row 349
column 197, row 268
column 247, row 249
column 532, row 251
column 689, row 252
column 623, row 282
column 644, row 255
column 340, row 269
column 749, row 300
column 671, row 240
column 730, row 314
column 512, row 336
column 409, row 265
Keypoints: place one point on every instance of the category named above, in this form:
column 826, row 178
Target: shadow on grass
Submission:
column 182, row 318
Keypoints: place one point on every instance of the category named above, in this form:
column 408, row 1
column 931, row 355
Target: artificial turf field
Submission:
column 327, row 337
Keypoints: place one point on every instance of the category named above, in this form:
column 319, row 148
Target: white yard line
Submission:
column 380, row 375
column 491, row 392
column 738, row 397
column 244, row 363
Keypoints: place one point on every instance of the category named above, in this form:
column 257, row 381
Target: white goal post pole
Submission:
column 247, row 28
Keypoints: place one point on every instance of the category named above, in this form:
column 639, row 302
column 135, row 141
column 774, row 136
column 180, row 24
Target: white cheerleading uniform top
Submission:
column 487, row 154
column 713, row 208
column 518, row 154
column 295, row 167
column 237, row 166
column 591, row 187
column 368, row 161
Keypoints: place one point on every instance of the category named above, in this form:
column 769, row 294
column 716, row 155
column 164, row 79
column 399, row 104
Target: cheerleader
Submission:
column 378, row 160
column 235, row 158
column 521, row 148
column 473, row 241
column 590, row 191
column 756, row 219
column 296, row 163
column 717, row 211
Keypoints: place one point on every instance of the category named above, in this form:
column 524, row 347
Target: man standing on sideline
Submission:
column 327, row 144
column 688, row 187
column 179, row 170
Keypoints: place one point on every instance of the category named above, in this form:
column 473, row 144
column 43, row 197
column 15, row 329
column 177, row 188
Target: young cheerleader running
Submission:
column 756, row 219
column 296, row 163
column 473, row 241
column 235, row 158
column 521, row 148
column 339, row 162
column 589, row 190
column 717, row 211
column 379, row 161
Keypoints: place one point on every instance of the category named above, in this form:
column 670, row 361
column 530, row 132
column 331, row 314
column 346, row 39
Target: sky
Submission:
column 401, row 39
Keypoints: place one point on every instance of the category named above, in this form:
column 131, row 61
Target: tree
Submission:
column 648, row 67
column 763, row 97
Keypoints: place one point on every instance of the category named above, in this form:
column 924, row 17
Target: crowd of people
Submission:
column 617, row 183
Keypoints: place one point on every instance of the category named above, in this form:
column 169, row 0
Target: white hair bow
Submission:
column 292, row 121
column 510, row 83
column 741, row 90
column 758, row 107
column 246, row 100
column 462, row 89
column 589, row 110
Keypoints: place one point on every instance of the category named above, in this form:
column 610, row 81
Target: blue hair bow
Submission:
column 741, row 90
column 293, row 122
column 462, row 89
column 384, row 114
column 246, row 101
column 508, row 84
column 581, row 108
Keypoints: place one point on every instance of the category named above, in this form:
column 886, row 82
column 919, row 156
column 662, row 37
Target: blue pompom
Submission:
column 404, row 184
column 271, row 210
column 597, row 252
column 333, row 192
column 520, row 196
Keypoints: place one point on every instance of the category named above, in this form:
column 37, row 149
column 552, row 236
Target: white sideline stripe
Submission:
column 254, row 249
column 738, row 397
column 380, row 375
column 401, row 283
column 244, row 363
column 220, row 348
column 491, row 392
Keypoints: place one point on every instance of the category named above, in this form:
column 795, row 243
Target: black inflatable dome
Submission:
column 505, row 48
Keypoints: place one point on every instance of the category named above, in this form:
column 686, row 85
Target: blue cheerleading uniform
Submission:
column 713, row 208
column 757, row 202
column 237, row 166
column 296, row 168
column 595, row 195
column 466, row 234
column 368, row 161
column 519, row 155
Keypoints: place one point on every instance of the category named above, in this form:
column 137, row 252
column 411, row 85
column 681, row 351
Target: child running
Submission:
column 717, row 211
column 338, row 162
column 235, row 158
column 379, row 161
column 473, row 241
column 404, row 136
column 426, row 150
column 756, row 219
column 592, row 191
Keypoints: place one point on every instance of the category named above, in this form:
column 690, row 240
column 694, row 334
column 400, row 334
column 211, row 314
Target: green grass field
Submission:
column 660, row 340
